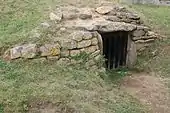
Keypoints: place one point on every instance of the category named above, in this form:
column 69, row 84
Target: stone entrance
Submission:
column 115, row 48
column 120, row 35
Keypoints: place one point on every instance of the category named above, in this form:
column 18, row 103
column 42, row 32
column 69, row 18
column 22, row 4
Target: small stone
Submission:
column 84, row 43
column 63, row 29
column 104, row 9
column 85, row 14
column 143, row 28
column 70, row 15
column 140, row 41
column 63, row 61
column 87, row 35
column 74, row 52
column 69, row 44
column 65, row 53
column 139, row 33
column 77, row 36
column 29, row 51
column 45, row 25
column 90, row 49
column 94, row 54
column 56, row 16
column 50, row 50
column 16, row 52
column 94, row 41
column 149, row 40
column 53, row 58
column 113, row 18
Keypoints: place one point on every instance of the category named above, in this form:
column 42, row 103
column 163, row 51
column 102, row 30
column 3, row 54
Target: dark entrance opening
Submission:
column 115, row 49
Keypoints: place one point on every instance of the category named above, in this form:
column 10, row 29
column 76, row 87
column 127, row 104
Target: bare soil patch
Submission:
column 149, row 90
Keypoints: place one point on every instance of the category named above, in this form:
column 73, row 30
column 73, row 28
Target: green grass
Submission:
column 83, row 90
column 25, row 81
column 159, row 19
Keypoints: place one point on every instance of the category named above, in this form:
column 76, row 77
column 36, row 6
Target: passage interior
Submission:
column 115, row 48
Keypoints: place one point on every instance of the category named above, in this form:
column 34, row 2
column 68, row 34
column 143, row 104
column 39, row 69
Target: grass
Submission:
column 83, row 90
column 159, row 19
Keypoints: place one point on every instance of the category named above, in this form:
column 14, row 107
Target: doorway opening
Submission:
column 115, row 49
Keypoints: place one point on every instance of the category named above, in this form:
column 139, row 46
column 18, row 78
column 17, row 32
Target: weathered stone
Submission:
column 94, row 41
column 94, row 54
column 74, row 52
column 115, row 26
column 90, row 49
column 104, row 9
column 53, row 58
column 113, row 18
column 70, row 15
column 140, row 41
column 63, row 29
column 84, row 43
column 131, row 53
column 69, row 44
column 144, row 28
column 45, row 25
column 149, row 40
column 57, row 16
column 132, row 16
column 85, row 13
column 142, row 38
column 50, row 50
column 63, row 61
column 29, row 51
column 16, row 52
column 87, row 35
column 139, row 33
column 77, row 36
column 65, row 53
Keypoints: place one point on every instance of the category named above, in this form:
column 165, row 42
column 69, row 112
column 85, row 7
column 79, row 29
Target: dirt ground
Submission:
column 150, row 90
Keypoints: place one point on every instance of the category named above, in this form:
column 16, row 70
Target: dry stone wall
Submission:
column 77, row 31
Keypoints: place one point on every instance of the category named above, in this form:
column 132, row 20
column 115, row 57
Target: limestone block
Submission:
column 85, row 13
column 63, row 61
column 143, row 28
column 131, row 53
column 94, row 54
column 65, row 53
column 90, row 49
column 87, row 35
column 113, row 18
column 29, row 51
column 70, row 15
column 138, row 33
column 53, row 58
column 94, row 41
column 68, row 44
column 104, row 9
column 74, row 52
column 84, row 43
column 16, row 52
column 77, row 36
column 50, row 50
